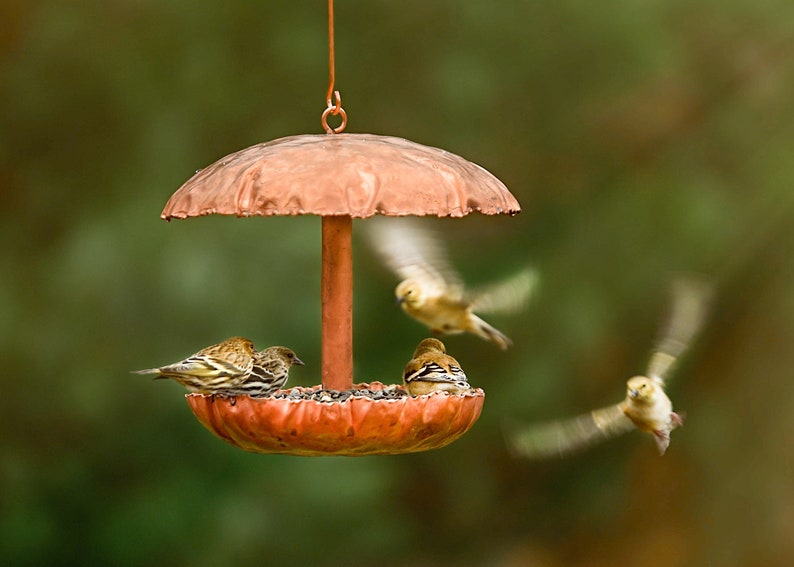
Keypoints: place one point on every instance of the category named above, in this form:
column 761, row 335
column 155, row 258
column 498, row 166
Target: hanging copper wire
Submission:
column 334, row 106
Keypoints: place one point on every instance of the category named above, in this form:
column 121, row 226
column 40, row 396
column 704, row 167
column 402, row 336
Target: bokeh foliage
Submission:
column 640, row 138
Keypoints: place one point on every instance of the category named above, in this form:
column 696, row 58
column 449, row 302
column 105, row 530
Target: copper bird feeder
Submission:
column 340, row 177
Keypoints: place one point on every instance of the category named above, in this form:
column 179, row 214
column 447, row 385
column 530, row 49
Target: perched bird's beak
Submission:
column 634, row 393
column 400, row 300
column 298, row 361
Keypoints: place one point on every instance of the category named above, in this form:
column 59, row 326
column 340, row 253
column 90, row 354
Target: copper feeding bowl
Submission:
column 353, row 427
column 340, row 177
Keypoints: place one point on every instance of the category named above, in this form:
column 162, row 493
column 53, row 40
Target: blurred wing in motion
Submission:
column 414, row 253
column 507, row 296
column 560, row 438
column 691, row 296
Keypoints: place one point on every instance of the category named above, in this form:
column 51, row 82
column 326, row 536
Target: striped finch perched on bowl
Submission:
column 646, row 405
column 433, row 370
column 269, row 373
column 432, row 292
column 212, row 369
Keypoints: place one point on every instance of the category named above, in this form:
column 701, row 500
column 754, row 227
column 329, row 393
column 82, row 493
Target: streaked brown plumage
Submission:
column 431, row 370
column 646, row 406
column 433, row 293
column 269, row 373
column 224, row 365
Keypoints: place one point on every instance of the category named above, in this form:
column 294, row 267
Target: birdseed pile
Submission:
column 388, row 393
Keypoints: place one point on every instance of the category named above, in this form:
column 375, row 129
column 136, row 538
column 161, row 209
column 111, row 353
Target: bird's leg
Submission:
column 662, row 439
column 232, row 399
column 676, row 419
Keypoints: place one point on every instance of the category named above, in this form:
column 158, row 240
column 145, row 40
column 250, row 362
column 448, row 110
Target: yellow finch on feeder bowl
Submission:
column 432, row 292
column 432, row 370
column 646, row 405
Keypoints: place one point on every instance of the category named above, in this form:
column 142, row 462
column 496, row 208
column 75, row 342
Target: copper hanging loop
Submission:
column 337, row 110
column 334, row 106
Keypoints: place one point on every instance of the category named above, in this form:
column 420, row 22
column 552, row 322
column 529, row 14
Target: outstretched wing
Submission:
column 506, row 296
column 691, row 296
column 560, row 438
column 415, row 253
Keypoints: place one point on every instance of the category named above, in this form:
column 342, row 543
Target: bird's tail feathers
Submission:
column 146, row 371
column 490, row 333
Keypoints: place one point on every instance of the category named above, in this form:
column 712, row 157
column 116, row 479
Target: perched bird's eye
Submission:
column 290, row 355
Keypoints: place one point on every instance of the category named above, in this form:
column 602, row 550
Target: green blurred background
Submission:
column 640, row 138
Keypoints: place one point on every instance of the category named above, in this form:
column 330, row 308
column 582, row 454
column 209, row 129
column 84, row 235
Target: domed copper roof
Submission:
column 359, row 175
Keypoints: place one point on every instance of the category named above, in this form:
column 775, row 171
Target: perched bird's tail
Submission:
column 156, row 371
column 146, row 371
column 489, row 333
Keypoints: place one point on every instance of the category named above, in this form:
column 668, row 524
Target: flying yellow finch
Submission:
column 646, row 405
column 431, row 370
column 433, row 293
